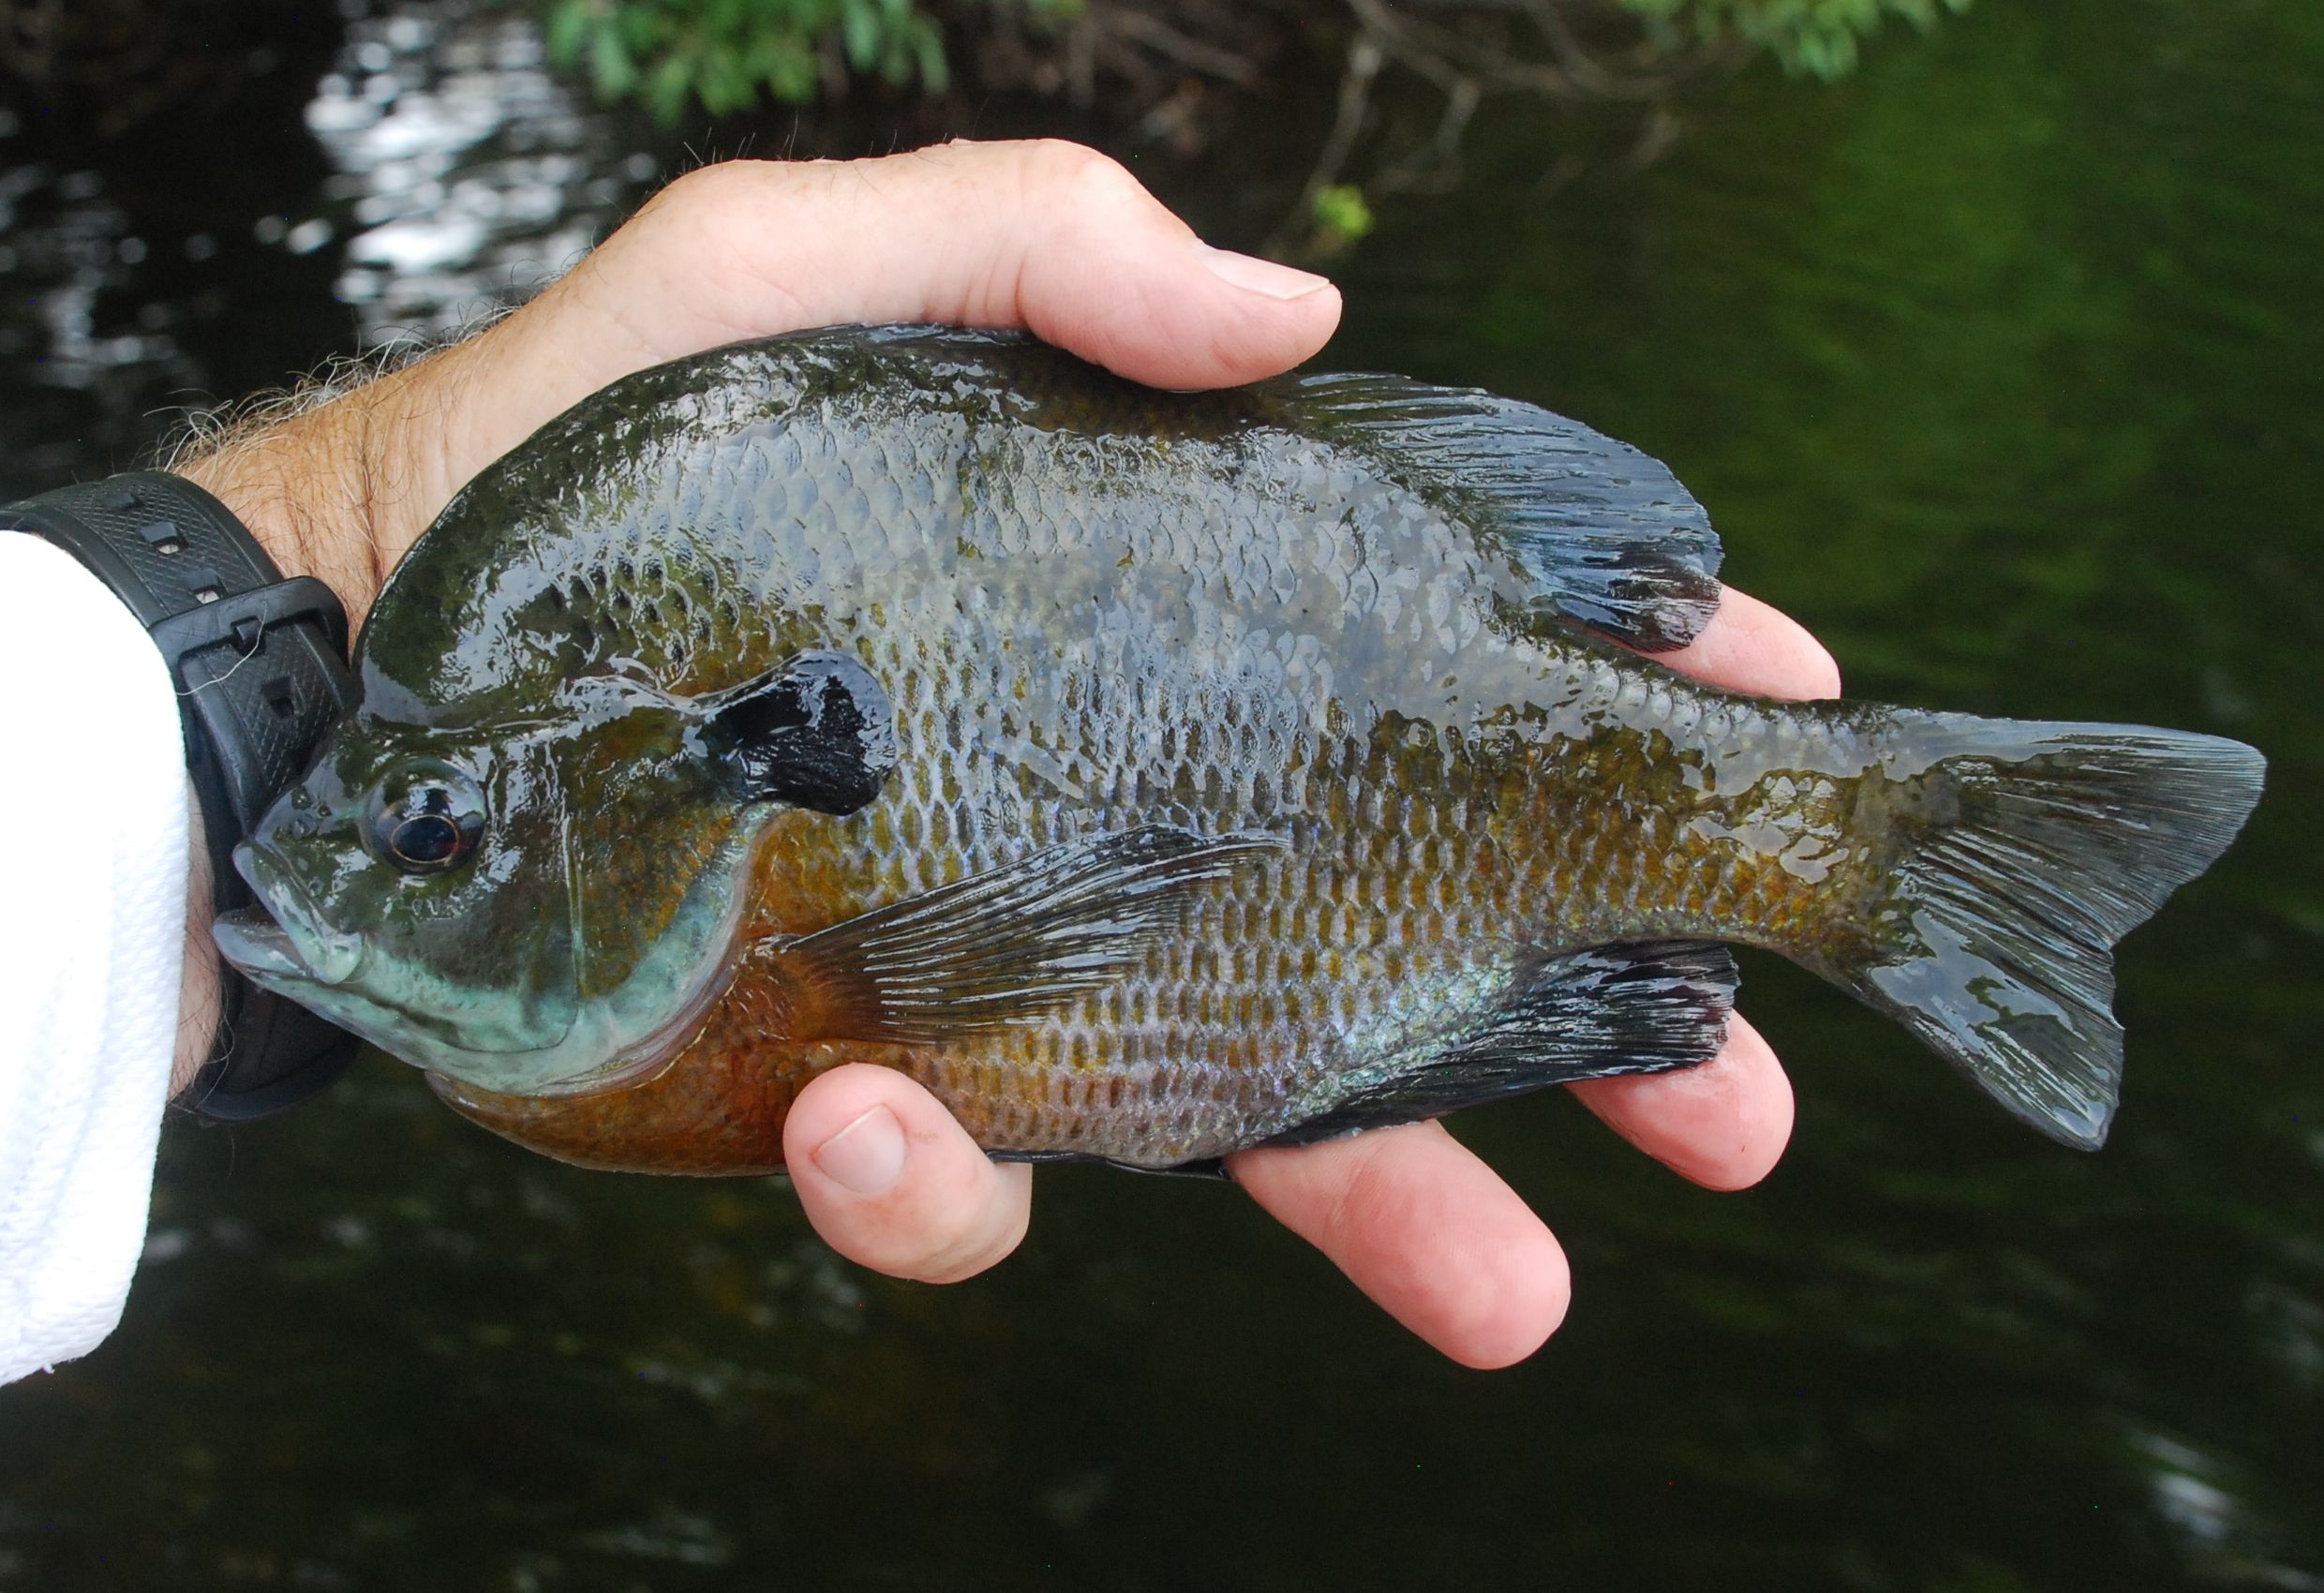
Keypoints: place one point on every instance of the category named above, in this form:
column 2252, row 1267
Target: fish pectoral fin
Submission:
column 1004, row 946
column 1646, row 1006
column 1609, row 537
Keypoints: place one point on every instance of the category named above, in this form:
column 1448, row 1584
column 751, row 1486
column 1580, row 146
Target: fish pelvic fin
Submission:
column 2035, row 847
column 1646, row 1006
column 1005, row 945
column 1607, row 535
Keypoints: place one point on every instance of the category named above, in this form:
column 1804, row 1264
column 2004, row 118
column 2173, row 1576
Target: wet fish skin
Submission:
column 1334, row 626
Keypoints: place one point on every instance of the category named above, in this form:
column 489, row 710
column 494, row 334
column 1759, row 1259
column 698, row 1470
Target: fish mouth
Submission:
column 279, row 939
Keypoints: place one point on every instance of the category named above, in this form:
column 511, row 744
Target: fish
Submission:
column 1149, row 775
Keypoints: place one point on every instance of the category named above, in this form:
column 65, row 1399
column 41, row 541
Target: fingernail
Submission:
column 866, row 1155
column 1258, row 275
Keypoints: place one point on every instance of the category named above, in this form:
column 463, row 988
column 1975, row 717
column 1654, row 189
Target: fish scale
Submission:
column 1231, row 743
column 1149, row 775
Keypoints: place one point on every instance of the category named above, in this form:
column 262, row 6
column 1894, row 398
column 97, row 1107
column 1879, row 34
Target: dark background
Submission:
column 1998, row 364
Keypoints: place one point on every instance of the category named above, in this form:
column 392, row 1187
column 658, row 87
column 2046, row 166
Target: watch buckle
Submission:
column 242, row 621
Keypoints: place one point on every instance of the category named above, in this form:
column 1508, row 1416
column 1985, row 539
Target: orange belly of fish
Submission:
column 716, row 1111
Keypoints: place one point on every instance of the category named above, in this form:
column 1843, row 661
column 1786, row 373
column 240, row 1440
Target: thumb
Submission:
column 892, row 1183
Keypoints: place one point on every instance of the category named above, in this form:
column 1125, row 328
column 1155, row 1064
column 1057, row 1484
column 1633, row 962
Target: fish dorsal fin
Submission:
column 1004, row 946
column 1610, row 538
column 1648, row 1007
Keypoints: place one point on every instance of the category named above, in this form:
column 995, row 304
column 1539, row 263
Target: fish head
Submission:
column 546, row 903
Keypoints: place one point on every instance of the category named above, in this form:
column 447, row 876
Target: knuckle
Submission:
column 1076, row 175
column 709, row 188
column 711, row 204
column 686, row 212
column 988, row 1226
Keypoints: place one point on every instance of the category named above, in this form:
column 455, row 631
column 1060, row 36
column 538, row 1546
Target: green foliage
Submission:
column 726, row 53
column 1816, row 37
column 1341, row 215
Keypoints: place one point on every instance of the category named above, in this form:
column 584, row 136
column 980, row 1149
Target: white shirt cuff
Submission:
column 93, row 810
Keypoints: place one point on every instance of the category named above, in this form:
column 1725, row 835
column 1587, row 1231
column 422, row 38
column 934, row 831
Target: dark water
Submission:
column 1999, row 365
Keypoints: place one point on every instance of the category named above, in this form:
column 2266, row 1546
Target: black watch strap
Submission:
column 260, row 668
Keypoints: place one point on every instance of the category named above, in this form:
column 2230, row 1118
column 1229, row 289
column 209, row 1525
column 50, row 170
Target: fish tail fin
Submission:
column 2028, row 850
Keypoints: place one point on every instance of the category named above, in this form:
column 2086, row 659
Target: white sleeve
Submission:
column 92, row 837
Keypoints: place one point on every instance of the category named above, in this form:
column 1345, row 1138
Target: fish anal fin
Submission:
column 1646, row 1007
column 1607, row 534
column 1005, row 945
column 1211, row 1168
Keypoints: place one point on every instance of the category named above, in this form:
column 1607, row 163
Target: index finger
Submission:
column 1750, row 646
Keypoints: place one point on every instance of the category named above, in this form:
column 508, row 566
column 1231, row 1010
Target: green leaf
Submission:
column 727, row 84
column 727, row 54
column 642, row 26
column 791, row 76
column 1341, row 209
column 1820, row 38
column 928, row 45
column 567, row 32
column 668, row 88
column 861, row 32
column 610, row 65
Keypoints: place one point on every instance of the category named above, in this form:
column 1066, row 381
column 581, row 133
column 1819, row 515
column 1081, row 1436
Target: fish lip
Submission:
column 280, row 935
column 250, row 938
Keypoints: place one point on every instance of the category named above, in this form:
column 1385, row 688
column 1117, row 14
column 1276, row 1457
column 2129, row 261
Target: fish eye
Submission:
column 426, row 818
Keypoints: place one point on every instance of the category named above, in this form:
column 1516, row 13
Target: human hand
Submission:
column 1063, row 242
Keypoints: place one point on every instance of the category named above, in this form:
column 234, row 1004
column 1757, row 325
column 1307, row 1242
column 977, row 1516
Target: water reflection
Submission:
column 464, row 172
column 448, row 174
column 132, row 253
column 76, row 244
column 68, row 246
column 2195, row 1492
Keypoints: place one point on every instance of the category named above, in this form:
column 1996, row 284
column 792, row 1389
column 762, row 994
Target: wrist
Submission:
column 339, row 490
column 200, row 991
column 290, row 488
column 300, row 488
